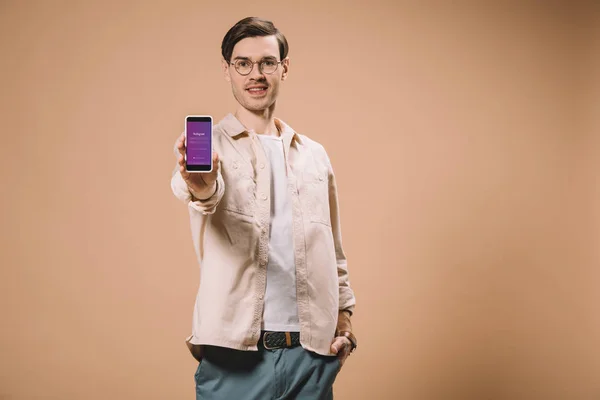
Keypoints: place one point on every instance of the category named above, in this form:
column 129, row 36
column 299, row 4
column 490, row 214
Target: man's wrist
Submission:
column 206, row 193
column 343, row 322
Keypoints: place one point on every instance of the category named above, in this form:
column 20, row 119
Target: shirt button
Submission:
column 264, row 196
column 235, row 165
column 320, row 177
column 261, row 297
column 262, row 166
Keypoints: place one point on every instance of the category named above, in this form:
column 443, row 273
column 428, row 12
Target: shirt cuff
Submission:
column 207, row 193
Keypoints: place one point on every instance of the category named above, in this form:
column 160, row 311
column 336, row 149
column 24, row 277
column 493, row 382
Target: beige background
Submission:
column 465, row 138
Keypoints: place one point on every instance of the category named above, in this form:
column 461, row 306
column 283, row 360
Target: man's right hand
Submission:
column 201, row 184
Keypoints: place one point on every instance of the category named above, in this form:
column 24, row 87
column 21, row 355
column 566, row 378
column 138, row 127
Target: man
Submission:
column 272, row 313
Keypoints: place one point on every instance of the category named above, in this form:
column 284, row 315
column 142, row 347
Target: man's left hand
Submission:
column 341, row 346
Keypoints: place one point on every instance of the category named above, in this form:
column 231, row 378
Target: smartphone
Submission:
column 198, row 143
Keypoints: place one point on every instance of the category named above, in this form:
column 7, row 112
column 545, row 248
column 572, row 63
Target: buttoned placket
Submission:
column 263, row 215
column 298, row 240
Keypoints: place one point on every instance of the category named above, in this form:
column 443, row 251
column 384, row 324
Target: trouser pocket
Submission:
column 197, row 374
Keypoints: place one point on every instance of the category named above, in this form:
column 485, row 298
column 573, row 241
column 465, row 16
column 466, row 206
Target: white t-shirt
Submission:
column 281, row 311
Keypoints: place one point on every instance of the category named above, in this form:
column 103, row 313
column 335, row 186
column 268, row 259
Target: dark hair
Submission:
column 252, row 27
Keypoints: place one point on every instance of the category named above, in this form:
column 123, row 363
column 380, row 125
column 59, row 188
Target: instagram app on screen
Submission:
column 199, row 143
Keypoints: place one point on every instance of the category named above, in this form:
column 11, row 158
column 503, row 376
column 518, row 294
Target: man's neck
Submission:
column 261, row 122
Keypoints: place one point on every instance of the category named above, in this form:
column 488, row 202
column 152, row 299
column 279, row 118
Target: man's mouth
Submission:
column 257, row 90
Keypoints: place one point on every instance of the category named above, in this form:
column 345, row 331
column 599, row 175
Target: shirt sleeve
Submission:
column 346, row 294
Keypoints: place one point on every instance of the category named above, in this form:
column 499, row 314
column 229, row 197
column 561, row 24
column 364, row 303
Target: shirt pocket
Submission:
column 315, row 195
column 240, row 189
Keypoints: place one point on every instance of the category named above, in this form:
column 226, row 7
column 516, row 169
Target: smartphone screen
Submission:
column 198, row 147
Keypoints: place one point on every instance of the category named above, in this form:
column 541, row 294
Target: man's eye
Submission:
column 243, row 64
column 269, row 63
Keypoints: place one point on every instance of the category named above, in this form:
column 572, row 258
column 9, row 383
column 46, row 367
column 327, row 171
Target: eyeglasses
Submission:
column 267, row 66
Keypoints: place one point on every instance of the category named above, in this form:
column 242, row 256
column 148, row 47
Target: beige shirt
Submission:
column 230, row 234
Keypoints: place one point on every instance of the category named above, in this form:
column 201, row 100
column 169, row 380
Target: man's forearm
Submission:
column 344, row 324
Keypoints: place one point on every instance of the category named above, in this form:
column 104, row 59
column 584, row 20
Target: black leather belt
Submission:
column 279, row 340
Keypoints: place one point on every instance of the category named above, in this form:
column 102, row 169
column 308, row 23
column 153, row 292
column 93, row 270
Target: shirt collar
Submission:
column 233, row 127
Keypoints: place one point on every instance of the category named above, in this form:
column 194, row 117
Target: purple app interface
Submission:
column 198, row 143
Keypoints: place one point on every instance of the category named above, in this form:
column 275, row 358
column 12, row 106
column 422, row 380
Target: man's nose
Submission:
column 256, row 72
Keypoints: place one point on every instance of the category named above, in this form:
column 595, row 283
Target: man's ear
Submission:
column 225, row 66
column 286, row 66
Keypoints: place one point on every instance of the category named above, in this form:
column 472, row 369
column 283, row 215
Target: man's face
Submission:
column 258, row 90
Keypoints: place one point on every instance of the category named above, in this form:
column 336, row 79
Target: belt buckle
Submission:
column 265, row 341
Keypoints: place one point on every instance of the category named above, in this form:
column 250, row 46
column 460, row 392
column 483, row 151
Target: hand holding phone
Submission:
column 201, row 185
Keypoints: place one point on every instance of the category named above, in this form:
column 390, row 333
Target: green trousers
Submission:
column 289, row 373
